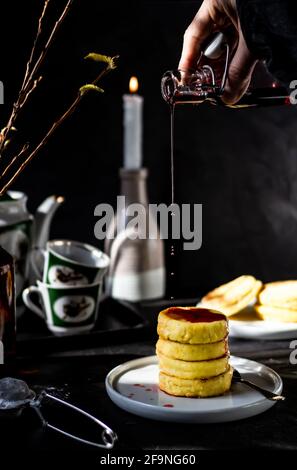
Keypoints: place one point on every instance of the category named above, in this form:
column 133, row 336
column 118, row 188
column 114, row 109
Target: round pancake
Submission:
column 192, row 325
column 265, row 312
column 282, row 294
column 192, row 370
column 202, row 388
column 192, row 352
column 234, row 296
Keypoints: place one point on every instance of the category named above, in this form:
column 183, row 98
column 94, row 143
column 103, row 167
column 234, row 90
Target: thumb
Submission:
column 240, row 73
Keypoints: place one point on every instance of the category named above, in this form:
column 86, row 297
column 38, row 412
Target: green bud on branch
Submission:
column 110, row 61
column 90, row 87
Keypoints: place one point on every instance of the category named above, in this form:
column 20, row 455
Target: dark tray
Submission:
column 117, row 322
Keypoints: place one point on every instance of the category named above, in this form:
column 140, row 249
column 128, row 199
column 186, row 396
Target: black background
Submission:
column 241, row 165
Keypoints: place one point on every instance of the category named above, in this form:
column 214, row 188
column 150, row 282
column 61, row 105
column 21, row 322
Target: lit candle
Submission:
column 133, row 127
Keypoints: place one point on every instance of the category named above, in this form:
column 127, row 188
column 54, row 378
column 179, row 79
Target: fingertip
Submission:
column 189, row 56
column 185, row 64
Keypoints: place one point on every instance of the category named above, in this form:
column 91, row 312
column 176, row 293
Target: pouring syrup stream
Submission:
column 172, row 152
column 172, row 259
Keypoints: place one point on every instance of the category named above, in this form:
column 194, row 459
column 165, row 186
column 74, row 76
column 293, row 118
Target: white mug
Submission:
column 66, row 310
column 69, row 263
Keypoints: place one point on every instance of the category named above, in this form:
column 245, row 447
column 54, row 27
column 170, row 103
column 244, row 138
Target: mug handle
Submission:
column 34, row 252
column 29, row 302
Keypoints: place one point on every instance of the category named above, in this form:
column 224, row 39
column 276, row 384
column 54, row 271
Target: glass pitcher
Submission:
column 207, row 82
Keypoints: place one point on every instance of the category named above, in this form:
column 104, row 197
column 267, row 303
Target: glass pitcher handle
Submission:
column 215, row 48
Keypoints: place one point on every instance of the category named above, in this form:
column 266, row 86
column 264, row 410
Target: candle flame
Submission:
column 133, row 85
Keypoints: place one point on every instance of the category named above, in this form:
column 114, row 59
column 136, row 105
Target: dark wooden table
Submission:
column 78, row 376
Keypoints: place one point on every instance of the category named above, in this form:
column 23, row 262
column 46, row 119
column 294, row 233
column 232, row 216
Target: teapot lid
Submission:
column 13, row 208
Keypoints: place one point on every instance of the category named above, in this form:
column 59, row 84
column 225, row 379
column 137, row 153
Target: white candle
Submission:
column 133, row 128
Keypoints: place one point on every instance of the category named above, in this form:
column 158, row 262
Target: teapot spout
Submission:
column 43, row 219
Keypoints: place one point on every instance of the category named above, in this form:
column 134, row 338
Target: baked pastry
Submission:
column 202, row 388
column 193, row 369
column 266, row 312
column 192, row 352
column 234, row 296
column 281, row 294
column 192, row 325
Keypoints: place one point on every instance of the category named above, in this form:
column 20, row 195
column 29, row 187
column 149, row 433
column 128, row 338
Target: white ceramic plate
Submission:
column 262, row 330
column 248, row 326
column 133, row 386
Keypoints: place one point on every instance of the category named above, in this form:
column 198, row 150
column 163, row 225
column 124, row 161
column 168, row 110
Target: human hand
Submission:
column 217, row 15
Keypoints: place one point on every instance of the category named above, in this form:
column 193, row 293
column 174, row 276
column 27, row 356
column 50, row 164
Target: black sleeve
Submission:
column 270, row 31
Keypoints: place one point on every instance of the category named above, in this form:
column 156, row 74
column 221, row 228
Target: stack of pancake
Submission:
column 234, row 296
column 278, row 301
column 193, row 352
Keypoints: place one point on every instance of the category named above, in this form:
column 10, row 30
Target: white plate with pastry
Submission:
column 248, row 325
column 134, row 387
column 256, row 311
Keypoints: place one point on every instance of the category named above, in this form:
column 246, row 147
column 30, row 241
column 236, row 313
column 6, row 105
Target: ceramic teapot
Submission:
column 20, row 231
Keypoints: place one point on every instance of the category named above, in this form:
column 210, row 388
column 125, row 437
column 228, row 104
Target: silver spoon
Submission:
column 237, row 377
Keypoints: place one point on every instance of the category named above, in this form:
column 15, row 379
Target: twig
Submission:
column 48, row 43
column 39, row 31
column 29, row 85
column 15, row 158
column 33, row 87
column 49, row 133
column 16, row 105
column 26, row 87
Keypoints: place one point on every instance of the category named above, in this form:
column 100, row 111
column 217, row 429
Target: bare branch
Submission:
column 31, row 70
column 14, row 159
column 43, row 53
column 33, row 87
column 39, row 31
column 51, row 131
column 29, row 85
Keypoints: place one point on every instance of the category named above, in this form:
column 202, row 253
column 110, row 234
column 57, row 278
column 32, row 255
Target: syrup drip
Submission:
column 172, row 153
column 172, row 247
